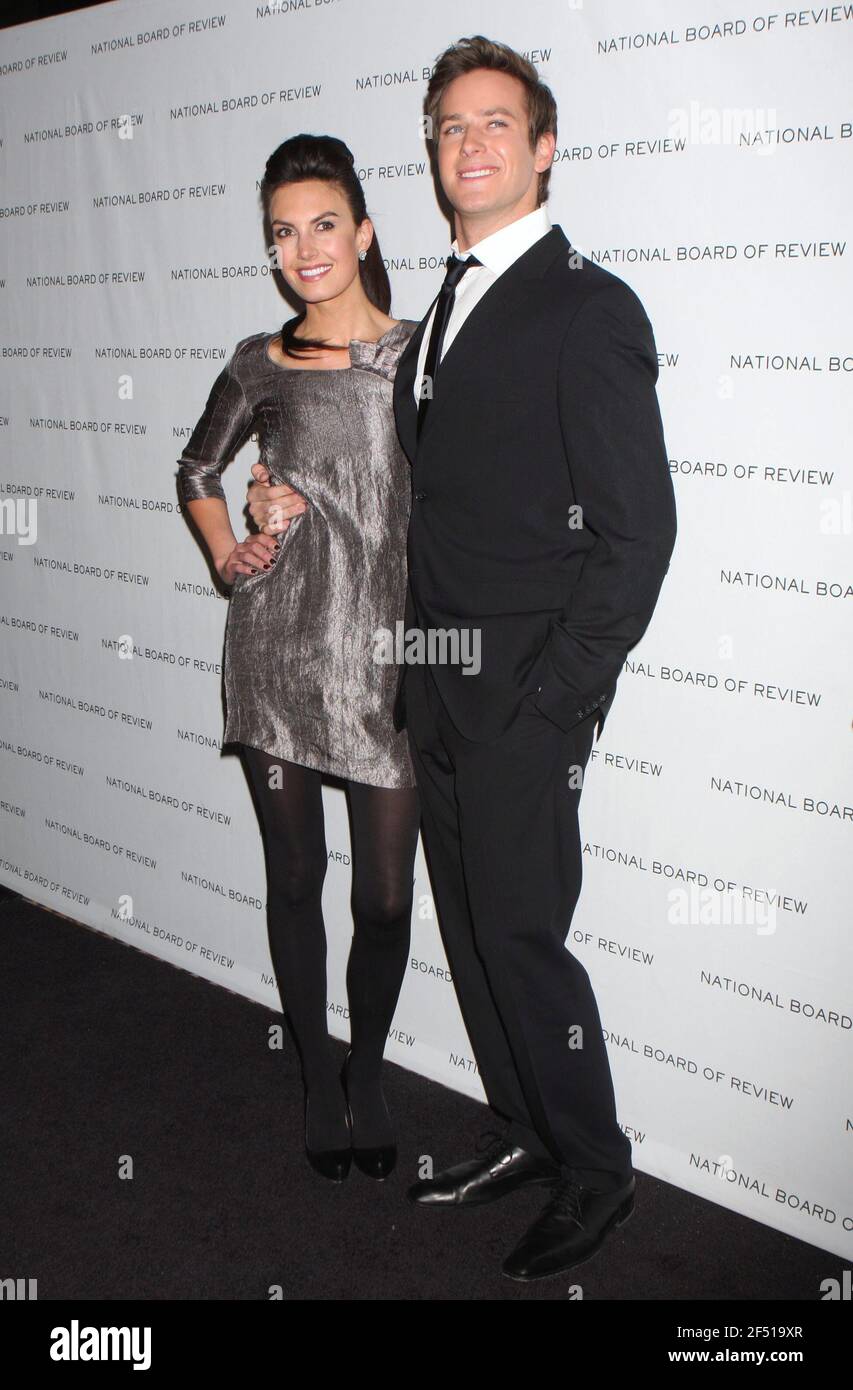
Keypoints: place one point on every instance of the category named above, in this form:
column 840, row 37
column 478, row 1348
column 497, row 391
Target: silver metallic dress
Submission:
column 302, row 679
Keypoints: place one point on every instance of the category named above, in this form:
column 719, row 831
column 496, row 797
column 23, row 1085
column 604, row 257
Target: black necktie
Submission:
column 456, row 268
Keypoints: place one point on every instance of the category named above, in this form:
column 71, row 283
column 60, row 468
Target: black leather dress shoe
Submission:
column 572, row 1227
column 376, row 1162
column 333, row 1164
column 502, row 1168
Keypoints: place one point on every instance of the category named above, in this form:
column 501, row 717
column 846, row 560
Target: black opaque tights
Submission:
column 384, row 823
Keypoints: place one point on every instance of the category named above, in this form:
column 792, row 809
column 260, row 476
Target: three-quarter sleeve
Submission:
column 223, row 428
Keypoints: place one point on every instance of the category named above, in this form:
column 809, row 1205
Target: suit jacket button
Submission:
column 419, row 496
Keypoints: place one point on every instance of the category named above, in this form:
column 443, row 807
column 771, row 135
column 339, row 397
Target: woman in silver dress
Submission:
column 305, row 696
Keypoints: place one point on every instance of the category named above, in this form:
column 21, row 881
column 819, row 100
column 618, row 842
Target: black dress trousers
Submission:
column 502, row 841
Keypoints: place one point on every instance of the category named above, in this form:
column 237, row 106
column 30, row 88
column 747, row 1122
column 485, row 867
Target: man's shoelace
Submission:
column 566, row 1201
column 496, row 1141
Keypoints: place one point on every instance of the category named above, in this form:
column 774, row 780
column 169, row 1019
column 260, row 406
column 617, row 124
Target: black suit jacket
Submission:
column 545, row 402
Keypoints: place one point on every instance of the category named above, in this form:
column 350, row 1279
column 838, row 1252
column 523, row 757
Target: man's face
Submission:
column 486, row 166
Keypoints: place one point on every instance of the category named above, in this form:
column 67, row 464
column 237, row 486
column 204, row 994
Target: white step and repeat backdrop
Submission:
column 704, row 154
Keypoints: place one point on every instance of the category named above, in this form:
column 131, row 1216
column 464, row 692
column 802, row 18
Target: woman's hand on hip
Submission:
column 250, row 556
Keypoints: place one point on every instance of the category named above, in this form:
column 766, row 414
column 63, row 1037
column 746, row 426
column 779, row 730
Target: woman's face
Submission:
column 316, row 241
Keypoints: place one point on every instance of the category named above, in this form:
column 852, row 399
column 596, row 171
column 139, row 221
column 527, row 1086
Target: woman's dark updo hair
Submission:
column 323, row 157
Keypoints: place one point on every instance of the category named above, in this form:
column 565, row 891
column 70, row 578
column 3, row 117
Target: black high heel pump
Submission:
column 375, row 1162
column 333, row 1164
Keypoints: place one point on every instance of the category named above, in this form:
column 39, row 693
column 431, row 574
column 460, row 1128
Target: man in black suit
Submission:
column 542, row 525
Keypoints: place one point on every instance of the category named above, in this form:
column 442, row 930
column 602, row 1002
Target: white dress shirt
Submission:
column 497, row 253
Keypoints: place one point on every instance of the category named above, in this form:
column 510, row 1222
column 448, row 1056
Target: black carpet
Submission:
column 108, row 1052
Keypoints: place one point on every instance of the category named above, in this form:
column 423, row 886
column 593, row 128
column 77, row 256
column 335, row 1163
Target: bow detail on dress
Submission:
column 382, row 356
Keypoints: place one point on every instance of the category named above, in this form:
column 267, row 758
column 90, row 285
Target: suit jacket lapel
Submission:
column 405, row 407
column 486, row 318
